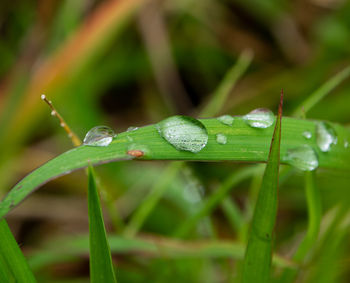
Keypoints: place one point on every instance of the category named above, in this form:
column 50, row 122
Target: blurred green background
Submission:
column 134, row 62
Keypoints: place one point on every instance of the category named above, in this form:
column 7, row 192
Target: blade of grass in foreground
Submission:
column 257, row 260
column 13, row 256
column 101, row 267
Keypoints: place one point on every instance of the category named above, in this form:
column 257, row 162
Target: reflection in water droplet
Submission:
column 226, row 119
column 325, row 136
column 130, row 129
column 303, row 157
column 307, row 135
column 259, row 118
column 99, row 136
column 184, row 133
column 221, row 139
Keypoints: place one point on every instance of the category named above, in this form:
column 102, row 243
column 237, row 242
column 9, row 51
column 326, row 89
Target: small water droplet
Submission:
column 346, row 144
column 99, row 136
column 226, row 119
column 53, row 113
column 259, row 118
column 62, row 125
column 129, row 138
column 307, row 135
column 325, row 136
column 137, row 150
column 303, row 157
column 221, row 139
column 184, row 133
column 130, row 129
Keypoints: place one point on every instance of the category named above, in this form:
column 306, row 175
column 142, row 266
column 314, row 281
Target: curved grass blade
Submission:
column 72, row 248
column 13, row 257
column 101, row 267
column 243, row 144
column 257, row 260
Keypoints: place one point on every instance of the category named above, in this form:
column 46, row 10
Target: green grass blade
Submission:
column 151, row 200
column 211, row 203
column 244, row 143
column 13, row 257
column 72, row 248
column 223, row 90
column 321, row 92
column 315, row 214
column 257, row 260
column 101, row 267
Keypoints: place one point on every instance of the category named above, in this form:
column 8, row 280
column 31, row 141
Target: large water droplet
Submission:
column 307, row 135
column 325, row 136
column 221, row 139
column 303, row 157
column 184, row 133
column 226, row 119
column 99, row 136
column 259, row 118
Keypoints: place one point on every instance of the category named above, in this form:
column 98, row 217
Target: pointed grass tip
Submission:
column 281, row 104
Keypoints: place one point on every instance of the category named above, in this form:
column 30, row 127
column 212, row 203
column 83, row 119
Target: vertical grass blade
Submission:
column 13, row 257
column 257, row 261
column 101, row 267
column 313, row 199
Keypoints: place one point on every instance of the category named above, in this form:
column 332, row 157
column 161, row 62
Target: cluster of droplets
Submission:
column 188, row 134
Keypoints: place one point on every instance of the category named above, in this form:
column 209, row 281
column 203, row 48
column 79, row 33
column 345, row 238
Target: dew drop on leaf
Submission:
column 130, row 129
column 303, row 157
column 325, row 136
column 226, row 119
column 259, row 118
column 346, row 144
column 99, row 136
column 307, row 135
column 221, row 139
column 184, row 133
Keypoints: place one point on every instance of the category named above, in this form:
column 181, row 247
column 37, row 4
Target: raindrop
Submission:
column 221, row 139
column 226, row 119
column 184, row 133
column 303, row 157
column 99, row 136
column 346, row 144
column 53, row 113
column 259, row 118
column 307, row 135
column 325, row 136
column 130, row 129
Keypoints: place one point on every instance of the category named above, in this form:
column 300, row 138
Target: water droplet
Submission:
column 130, row 129
column 259, row 118
column 53, row 113
column 221, row 139
column 184, row 133
column 307, row 135
column 346, row 144
column 226, row 119
column 325, row 136
column 303, row 157
column 130, row 139
column 99, row 136
column 138, row 150
column 62, row 124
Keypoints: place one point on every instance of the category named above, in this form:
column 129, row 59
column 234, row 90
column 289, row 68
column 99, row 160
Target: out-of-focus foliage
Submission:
column 134, row 62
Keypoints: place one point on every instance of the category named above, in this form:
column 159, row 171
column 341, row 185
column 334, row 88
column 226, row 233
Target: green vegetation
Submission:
column 190, row 183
